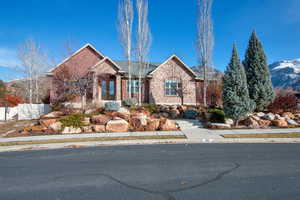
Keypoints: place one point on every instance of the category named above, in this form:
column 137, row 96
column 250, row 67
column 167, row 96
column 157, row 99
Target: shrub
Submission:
column 11, row 101
column 112, row 106
column 217, row 116
column 285, row 101
column 150, row 107
column 74, row 120
column 130, row 102
column 190, row 114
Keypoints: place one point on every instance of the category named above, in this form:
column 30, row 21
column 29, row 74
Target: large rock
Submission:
column 87, row 129
column 47, row 122
column 255, row 117
column 264, row 123
column 167, row 125
column 260, row 114
column 288, row 115
column 152, row 124
column 100, row 119
column 164, row 115
column 139, row 122
column 229, row 122
column 57, row 126
column 173, row 114
column 280, row 123
column 98, row 128
column 291, row 122
column 117, row 125
column 71, row 130
column 251, row 123
column 218, row 126
column 122, row 115
column 87, row 121
column 55, row 114
column 278, row 117
column 269, row 116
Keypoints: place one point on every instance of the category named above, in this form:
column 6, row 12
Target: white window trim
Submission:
column 165, row 88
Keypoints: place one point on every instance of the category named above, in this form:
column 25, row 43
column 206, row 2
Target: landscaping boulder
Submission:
column 251, row 123
column 269, row 116
column 55, row 114
column 152, row 125
column 260, row 114
column 86, row 121
column 164, row 115
column 87, row 129
column 291, row 122
column 255, row 117
column 117, row 125
column 174, row 114
column 139, row 122
column 167, row 125
column 37, row 129
column 124, row 116
column 70, row 111
column 71, row 130
column 288, row 115
column 90, row 111
column 218, row 126
column 264, row 123
column 100, row 119
column 229, row 122
column 57, row 126
column 280, row 123
column 98, row 128
column 47, row 122
column 278, row 117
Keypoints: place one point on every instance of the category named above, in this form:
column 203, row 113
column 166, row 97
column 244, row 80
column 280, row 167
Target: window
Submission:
column 171, row 88
column 134, row 86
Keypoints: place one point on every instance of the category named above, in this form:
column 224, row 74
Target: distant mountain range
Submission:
column 286, row 74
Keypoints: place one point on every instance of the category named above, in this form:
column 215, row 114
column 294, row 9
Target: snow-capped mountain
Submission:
column 286, row 74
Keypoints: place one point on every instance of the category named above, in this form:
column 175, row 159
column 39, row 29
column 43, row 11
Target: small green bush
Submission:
column 190, row 114
column 150, row 107
column 112, row 106
column 74, row 120
column 217, row 116
column 130, row 102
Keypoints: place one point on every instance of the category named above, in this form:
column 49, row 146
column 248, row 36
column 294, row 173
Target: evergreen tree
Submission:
column 236, row 100
column 2, row 89
column 260, row 87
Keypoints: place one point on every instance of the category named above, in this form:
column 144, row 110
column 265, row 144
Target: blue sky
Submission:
column 173, row 24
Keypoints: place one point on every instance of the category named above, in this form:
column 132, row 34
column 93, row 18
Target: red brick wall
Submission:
column 145, row 91
column 173, row 69
column 78, row 65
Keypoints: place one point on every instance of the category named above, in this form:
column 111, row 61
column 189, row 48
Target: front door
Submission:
column 108, row 89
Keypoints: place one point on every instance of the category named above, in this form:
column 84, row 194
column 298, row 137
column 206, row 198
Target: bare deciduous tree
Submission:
column 125, row 22
column 143, row 41
column 34, row 63
column 205, row 40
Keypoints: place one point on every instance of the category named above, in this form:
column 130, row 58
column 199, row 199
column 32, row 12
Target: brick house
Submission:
column 170, row 82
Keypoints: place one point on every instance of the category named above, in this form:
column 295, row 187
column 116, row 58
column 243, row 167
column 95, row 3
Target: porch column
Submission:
column 118, row 87
column 95, row 89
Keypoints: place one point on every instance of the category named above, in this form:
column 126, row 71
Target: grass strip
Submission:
column 95, row 139
column 263, row 135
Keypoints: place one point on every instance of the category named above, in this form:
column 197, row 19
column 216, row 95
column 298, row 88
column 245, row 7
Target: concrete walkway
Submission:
column 194, row 135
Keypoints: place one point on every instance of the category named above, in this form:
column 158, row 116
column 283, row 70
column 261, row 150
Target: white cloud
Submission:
column 8, row 58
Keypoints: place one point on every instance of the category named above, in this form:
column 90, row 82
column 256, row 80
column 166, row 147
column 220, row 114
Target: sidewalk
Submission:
column 194, row 135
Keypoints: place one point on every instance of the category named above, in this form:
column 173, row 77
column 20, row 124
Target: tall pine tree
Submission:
column 236, row 101
column 260, row 87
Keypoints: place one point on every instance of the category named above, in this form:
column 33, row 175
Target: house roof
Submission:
column 135, row 66
column 88, row 45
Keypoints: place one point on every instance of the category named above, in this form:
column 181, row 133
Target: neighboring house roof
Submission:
column 211, row 73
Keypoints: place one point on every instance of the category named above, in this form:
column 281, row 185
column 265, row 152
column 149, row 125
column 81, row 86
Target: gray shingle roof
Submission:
column 135, row 66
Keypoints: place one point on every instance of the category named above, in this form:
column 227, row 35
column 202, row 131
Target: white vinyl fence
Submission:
column 24, row 111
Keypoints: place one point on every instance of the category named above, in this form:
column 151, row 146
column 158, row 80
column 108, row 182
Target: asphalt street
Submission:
column 154, row 172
